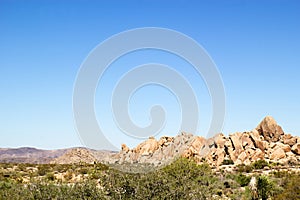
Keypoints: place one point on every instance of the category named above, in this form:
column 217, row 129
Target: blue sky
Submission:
column 255, row 45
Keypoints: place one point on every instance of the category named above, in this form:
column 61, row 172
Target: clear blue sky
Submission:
column 255, row 44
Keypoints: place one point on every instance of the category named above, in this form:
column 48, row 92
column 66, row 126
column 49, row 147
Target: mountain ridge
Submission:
column 39, row 156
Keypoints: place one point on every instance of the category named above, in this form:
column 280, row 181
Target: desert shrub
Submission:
column 83, row 170
column 5, row 185
column 185, row 179
column 95, row 174
column 291, row 190
column 87, row 190
column 289, row 183
column 50, row 176
column 68, row 175
column 21, row 167
column 244, row 168
column 226, row 184
column 43, row 169
column 101, row 167
column 260, row 164
column 41, row 191
column 227, row 162
column 7, row 165
column 63, row 167
column 243, row 180
column 42, row 172
column 182, row 179
column 275, row 164
column 59, row 168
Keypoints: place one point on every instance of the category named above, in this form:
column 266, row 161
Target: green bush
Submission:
column 182, row 179
column 290, row 185
column 50, row 176
column 244, row 168
column 260, row 164
column 265, row 187
column 83, row 170
column 227, row 162
column 243, row 180
column 101, row 167
column 43, row 169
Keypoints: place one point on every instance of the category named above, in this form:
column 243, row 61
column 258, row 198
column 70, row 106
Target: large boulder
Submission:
column 289, row 139
column 284, row 147
column 257, row 155
column 195, row 147
column 257, row 140
column 125, row 148
column 165, row 141
column 207, row 147
column 214, row 150
column 270, row 130
column 296, row 148
column 237, row 146
column 220, row 140
column 277, row 154
column 247, row 142
column 215, row 157
column 147, row 147
column 236, row 141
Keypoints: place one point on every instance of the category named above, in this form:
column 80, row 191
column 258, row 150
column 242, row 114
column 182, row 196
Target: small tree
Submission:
column 264, row 187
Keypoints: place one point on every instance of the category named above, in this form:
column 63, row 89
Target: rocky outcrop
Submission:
column 193, row 150
column 75, row 156
column 159, row 152
column 125, row 148
column 148, row 147
column 270, row 130
column 267, row 142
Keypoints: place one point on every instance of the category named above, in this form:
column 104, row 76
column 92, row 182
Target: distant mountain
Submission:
column 29, row 155
column 62, row 156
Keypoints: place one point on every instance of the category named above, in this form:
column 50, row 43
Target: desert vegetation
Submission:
column 182, row 179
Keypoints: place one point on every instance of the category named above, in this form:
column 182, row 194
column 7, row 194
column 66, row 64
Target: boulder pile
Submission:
column 266, row 142
column 76, row 155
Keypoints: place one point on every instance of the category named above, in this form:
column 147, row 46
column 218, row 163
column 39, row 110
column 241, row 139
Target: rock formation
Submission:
column 269, row 129
column 83, row 155
column 267, row 142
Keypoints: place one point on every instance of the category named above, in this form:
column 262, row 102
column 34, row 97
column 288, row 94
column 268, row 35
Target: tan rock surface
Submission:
column 289, row 139
column 76, row 155
column 296, row 148
column 147, row 147
column 277, row 154
column 267, row 141
column 124, row 148
column 269, row 128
